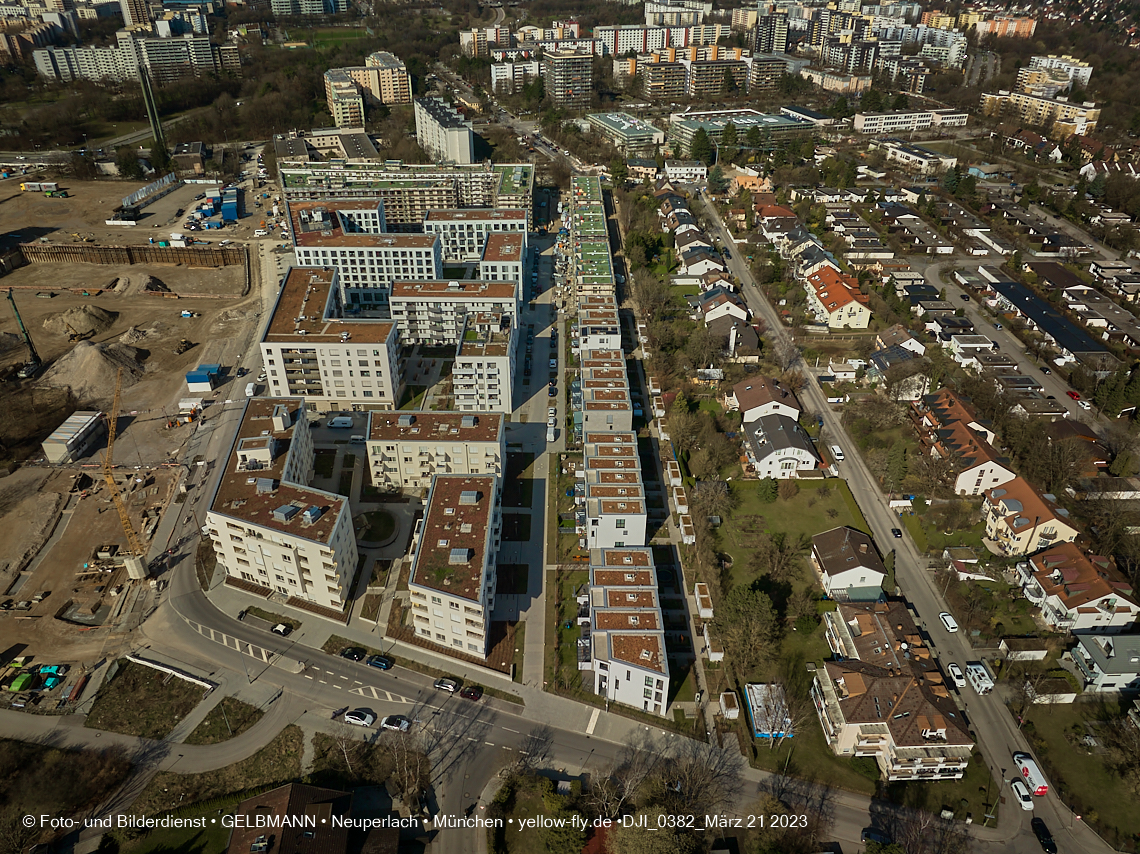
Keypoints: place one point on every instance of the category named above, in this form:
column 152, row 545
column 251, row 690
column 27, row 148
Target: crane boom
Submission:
column 133, row 544
column 33, row 356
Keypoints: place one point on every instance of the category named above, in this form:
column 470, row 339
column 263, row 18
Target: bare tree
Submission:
column 712, row 498
column 411, row 767
column 778, row 555
column 784, row 352
column 347, row 742
column 620, row 783
column 700, row 778
column 652, row 296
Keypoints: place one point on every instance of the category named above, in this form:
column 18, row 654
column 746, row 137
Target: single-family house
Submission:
column 899, row 336
column 759, row 396
column 777, row 446
column 836, row 300
column 1108, row 663
column 848, row 565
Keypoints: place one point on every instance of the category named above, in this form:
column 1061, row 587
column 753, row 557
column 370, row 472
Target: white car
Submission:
column 957, row 675
column 552, row 421
column 359, row 717
column 552, row 412
column 948, row 621
column 1021, row 792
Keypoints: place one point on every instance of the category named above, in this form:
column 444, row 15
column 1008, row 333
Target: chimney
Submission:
column 862, row 548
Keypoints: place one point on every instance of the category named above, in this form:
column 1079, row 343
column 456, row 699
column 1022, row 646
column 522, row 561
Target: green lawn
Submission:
column 1079, row 777
column 809, row 757
column 229, row 719
column 413, row 396
column 795, row 517
column 212, row 837
column 977, row 788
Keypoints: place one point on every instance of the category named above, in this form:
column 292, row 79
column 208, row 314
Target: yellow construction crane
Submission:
column 135, row 563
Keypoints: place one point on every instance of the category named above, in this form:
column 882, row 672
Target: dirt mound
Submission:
column 89, row 370
column 119, row 285
column 10, row 341
column 81, row 319
column 150, row 283
column 132, row 335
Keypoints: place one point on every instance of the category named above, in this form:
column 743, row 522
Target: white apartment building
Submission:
column 435, row 312
column 344, row 99
column 310, row 350
column 887, row 123
column 624, row 641
column 613, row 489
column 166, row 59
column 607, row 406
column 443, row 133
column 267, row 526
column 598, row 328
column 1076, row 70
column 482, row 378
column 504, row 259
column 452, row 580
column 463, row 232
column 1022, row 521
column 686, row 171
column 511, row 76
column 342, row 235
column 620, row 40
column 406, row 450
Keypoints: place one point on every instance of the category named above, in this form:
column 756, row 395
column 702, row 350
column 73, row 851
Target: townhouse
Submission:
column 615, row 508
column 406, row 450
column 1021, row 521
column 948, row 428
column 1078, row 592
column 452, row 580
column 270, row 530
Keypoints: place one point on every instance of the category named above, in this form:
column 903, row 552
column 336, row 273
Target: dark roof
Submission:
column 895, row 355
column 843, row 548
column 298, row 802
column 1066, row 333
column 1054, row 275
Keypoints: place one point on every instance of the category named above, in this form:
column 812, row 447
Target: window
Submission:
column 436, row 600
column 620, row 524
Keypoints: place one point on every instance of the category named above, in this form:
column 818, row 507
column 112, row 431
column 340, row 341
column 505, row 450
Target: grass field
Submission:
column 144, row 702
column 212, row 837
column 229, row 719
column 277, row 762
column 1079, row 776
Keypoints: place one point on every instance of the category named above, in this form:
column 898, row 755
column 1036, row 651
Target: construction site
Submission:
column 109, row 323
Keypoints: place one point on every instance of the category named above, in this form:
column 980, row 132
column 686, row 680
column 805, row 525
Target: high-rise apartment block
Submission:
column 383, row 79
column 443, row 132
column 772, row 33
column 308, row 7
column 452, row 580
column 1062, row 118
column 270, row 530
column 463, row 232
column 135, row 12
column 1076, row 70
column 569, row 78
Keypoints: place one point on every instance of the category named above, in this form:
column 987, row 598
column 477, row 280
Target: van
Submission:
column 250, row 389
column 356, row 439
column 551, row 433
column 341, row 422
column 837, row 452
column 1031, row 774
column 261, row 232
column 979, row 678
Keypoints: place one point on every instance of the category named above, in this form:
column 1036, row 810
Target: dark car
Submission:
column 1046, row 371
column 965, row 297
column 1043, row 836
column 552, row 392
column 353, row 653
column 873, row 834
column 381, row 661
column 471, row 692
column 896, row 533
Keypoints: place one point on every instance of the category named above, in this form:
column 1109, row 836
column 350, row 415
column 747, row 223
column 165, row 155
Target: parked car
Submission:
column 872, row 834
column 1021, row 792
column 552, row 392
column 395, row 723
column 1073, row 395
column 948, row 621
column 359, row 717
column 353, row 653
column 896, row 533
column 965, row 297
column 282, row 629
column 471, row 692
column 381, row 661
column 449, row 685
column 957, row 675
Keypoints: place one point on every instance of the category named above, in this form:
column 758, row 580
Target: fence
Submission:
column 173, row 671
column 189, row 256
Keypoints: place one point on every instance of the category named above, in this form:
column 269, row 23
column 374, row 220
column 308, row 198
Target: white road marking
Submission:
column 593, row 721
column 515, row 731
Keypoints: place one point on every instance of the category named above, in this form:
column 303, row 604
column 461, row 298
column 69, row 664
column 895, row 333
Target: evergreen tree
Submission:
column 768, row 490
column 728, row 85
column 1123, row 466
column 871, row 101
column 728, row 144
column 897, row 464
column 717, row 182
column 701, row 147
column 901, row 102
column 953, row 178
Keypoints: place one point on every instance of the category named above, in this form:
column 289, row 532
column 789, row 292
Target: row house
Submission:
column 949, row 428
column 1078, row 592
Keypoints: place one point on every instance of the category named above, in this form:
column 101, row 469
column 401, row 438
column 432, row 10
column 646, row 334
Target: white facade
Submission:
column 406, row 450
column 463, row 233
column 512, row 76
column 435, row 312
column 332, row 363
column 452, row 580
column 482, row 378
column 443, row 133
column 778, row 447
column 267, row 526
column 616, row 512
column 1076, row 70
column 886, row 123
column 686, row 171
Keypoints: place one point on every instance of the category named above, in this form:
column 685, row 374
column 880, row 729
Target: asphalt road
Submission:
column 997, row 734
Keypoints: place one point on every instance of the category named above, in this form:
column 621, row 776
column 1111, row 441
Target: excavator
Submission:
column 75, row 335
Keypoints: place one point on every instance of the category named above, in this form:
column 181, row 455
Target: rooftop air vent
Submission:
column 312, row 514
column 265, row 485
column 467, row 421
column 469, row 496
column 285, row 512
column 406, row 420
column 459, row 556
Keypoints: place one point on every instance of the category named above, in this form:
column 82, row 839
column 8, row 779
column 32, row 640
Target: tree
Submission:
column 684, row 429
column 748, row 626
column 619, row 172
column 623, row 839
column 699, row 778
column 897, row 464
column 1124, row 465
column 127, row 159
column 712, row 497
column 621, row 781
column 705, row 348
column 717, row 182
column 788, row 490
column 650, row 293
column 701, row 147
column 768, row 490
column 728, row 143
column 777, row 555
column 871, row 101
column 900, row 102
column 728, row 84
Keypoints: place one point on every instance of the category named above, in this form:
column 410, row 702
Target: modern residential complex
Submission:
column 270, row 530
column 1062, row 118
column 463, row 232
column 452, row 580
column 383, row 79
column 900, row 122
column 569, row 77
column 629, row 134
column 164, row 59
column 406, row 450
